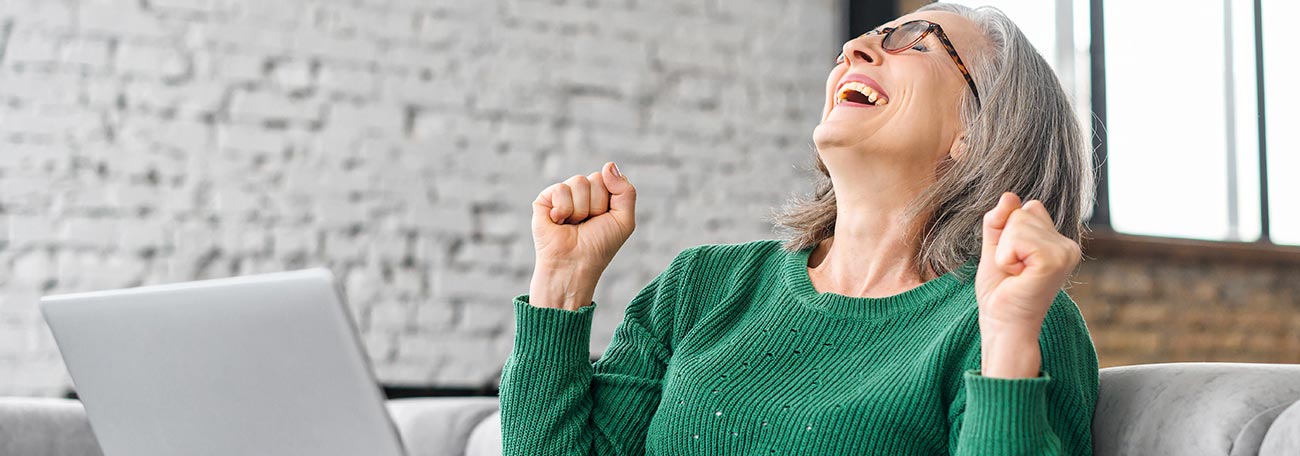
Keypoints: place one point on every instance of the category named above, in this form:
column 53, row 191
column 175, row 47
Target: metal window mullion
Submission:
column 1262, row 125
column 1230, row 123
column 1097, row 48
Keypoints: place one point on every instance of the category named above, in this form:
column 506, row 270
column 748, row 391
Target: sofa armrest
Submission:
column 439, row 426
column 1190, row 408
column 45, row 427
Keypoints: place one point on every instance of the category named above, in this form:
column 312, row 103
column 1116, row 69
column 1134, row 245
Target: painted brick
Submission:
column 151, row 61
column 101, row 19
column 349, row 80
column 262, row 106
column 397, row 142
column 292, row 74
column 27, row 45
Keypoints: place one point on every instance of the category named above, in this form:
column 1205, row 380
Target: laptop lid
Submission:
column 255, row 365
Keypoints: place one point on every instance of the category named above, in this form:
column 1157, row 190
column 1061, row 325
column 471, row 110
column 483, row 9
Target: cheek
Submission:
column 836, row 73
column 947, row 88
column 933, row 96
column 831, row 80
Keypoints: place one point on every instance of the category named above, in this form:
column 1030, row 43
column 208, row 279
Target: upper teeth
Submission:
column 871, row 94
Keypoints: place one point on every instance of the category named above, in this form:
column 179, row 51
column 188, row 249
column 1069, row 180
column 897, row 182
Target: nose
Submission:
column 864, row 49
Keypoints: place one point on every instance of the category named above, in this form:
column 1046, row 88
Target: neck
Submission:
column 873, row 250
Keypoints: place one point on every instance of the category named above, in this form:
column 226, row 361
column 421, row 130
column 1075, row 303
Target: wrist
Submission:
column 1010, row 355
column 568, row 289
column 555, row 268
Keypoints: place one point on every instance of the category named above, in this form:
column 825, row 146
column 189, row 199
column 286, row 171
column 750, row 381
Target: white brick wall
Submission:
column 398, row 142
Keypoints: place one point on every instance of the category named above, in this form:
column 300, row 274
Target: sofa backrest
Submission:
column 45, row 427
column 1191, row 408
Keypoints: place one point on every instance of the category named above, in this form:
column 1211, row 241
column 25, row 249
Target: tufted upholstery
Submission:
column 1191, row 408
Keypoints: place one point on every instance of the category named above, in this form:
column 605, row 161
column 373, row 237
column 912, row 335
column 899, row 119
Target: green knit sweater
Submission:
column 732, row 351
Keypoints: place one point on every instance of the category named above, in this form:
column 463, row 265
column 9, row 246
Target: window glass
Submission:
column 1245, row 121
column 1166, row 118
column 1282, row 113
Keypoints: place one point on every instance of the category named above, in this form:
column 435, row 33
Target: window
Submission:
column 1182, row 118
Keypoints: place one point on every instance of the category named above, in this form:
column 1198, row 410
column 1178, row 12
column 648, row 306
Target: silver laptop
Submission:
column 256, row 365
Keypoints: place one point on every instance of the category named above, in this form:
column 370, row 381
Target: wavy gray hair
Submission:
column 1024, row 139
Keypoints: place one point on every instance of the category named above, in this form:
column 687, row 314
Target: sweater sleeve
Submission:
column 1047, row 415
column 554, row 401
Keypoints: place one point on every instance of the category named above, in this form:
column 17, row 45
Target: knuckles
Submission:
column 990, row 217
column 1022, row 232
column 577, row 181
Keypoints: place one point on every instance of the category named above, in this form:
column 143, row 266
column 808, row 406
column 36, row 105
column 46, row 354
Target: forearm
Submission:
column 1036, row 387
column 545, row 399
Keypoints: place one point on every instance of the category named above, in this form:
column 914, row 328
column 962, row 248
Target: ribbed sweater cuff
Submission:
column 558, row 335
column 1006, row 414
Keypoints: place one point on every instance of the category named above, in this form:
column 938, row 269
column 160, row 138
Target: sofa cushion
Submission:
column 1251, row 436
column 486, row 439
column 1283, row 437
column 439, row 426
column 58, row 427
column 45, row 427
column 1187, row 408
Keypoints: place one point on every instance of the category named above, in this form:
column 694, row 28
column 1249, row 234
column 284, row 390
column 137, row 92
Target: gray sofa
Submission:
column 429, row 427
column 1184, row 409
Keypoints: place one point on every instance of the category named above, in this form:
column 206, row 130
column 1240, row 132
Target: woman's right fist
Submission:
column 579, row 224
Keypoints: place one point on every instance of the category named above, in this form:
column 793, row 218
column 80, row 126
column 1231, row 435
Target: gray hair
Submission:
column 1025, row 138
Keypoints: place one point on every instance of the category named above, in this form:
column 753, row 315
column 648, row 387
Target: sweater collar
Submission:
column 795, row 270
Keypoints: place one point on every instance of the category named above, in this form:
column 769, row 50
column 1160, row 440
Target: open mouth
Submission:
column 859, row 93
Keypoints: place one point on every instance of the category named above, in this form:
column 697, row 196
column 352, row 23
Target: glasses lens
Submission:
column 905, row 35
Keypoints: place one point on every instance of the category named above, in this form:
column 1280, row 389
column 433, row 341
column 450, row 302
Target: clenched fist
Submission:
column 1024, row 263
column 578, row 225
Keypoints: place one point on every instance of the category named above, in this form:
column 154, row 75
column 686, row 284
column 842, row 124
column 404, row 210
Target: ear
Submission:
column 958, row 147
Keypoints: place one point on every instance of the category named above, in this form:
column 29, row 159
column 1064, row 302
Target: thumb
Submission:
column 622, row 195
column 994, row 221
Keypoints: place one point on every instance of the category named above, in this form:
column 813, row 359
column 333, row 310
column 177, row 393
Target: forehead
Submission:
column 963, row 33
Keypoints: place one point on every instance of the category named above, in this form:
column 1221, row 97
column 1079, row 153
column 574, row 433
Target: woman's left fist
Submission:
column 1024, row 263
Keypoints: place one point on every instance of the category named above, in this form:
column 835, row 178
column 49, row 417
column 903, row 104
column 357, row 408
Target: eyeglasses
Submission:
column 903, row 37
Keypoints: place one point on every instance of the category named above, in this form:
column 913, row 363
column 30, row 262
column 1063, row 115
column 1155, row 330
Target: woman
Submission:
column 915, row 308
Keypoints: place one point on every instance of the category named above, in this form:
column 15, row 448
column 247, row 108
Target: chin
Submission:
column 836, row 134
column 823, row 135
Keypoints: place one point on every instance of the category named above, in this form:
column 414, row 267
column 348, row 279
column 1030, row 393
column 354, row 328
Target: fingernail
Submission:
column 614, row 169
